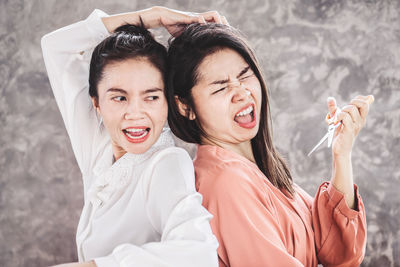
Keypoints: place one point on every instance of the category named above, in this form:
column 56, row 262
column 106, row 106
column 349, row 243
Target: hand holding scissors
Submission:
column 345, row 124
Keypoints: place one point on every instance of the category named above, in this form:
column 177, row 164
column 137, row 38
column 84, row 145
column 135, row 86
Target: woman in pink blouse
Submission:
column 218, row 99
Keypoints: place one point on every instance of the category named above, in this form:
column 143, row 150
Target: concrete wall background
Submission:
column 308, row 49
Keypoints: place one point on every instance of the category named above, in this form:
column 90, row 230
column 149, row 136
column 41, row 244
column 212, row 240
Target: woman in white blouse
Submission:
column 141, row 207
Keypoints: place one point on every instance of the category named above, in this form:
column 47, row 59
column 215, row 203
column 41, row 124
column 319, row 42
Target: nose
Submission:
column 134, row 111
column 241, row 93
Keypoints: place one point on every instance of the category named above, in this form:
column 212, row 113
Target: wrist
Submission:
column 342, row 157
column 151, row 17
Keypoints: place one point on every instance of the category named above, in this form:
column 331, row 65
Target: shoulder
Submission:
column 225, row 178
column 175, row 156
column 170, row 165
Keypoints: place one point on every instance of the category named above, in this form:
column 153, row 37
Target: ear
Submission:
column 184, row 109
column 95, row 104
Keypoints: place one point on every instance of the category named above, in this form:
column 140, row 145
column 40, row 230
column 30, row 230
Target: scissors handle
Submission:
column 332, row 119
column 333, row 125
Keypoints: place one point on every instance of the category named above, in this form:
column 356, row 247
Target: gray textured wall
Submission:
column 308, row 49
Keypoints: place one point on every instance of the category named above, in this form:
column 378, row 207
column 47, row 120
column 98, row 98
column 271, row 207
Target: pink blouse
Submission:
column 258, row 225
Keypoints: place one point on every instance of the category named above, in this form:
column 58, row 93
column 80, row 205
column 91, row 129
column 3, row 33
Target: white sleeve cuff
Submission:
column 107, row 261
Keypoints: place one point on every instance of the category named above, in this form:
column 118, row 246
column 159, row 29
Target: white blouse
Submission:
column 142, row 210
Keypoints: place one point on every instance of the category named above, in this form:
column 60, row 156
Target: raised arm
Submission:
column 353, row 117
column 67, row 53
column 175, row 211
column 158, row 16
column 339, row 219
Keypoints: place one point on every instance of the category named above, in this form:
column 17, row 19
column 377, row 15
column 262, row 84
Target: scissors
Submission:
column 333, row 125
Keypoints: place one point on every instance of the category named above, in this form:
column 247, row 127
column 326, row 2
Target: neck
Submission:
column 244, row 148
column 117, row 151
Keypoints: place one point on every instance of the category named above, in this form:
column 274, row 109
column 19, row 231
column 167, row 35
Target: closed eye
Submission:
column 247, row 76
column 219, row 90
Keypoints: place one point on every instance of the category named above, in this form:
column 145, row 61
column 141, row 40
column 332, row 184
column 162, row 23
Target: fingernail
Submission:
column 371, row 99
column 330, row 98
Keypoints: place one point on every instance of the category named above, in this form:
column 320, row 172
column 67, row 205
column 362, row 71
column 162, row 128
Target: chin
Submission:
column 249, row 137
column 249, row 133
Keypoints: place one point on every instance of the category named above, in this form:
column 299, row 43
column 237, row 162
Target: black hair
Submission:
column 185, row 54
column 126, row 42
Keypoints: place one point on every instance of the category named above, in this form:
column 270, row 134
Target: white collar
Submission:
column 110, row 176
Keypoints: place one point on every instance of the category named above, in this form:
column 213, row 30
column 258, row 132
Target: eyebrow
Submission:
column 152, row 90
column 148, row 91
column 116, row 90
column 243, row 71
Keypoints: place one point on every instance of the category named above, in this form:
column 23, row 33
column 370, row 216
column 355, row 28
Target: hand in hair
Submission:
column 154, row 17
column 174, row 21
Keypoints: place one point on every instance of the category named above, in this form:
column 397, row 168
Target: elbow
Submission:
column 45, row 42
column 352, row 257
column 49, row 42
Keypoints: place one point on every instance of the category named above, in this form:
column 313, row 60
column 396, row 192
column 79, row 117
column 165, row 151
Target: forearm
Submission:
column 342, row 178
column 62, row 44
column 150, row 17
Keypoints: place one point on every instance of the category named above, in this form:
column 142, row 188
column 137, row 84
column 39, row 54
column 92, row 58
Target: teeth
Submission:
column 245, row 112
column 137, row 137
column 132, row 130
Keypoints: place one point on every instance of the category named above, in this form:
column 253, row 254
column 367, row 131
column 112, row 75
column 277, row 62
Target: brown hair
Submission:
column 185, row 54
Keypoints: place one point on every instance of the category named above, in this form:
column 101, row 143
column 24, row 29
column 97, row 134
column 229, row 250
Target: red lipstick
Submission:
column 137, row 134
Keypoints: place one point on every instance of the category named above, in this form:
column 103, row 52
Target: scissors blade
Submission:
column 319, row 143
column 331, row 132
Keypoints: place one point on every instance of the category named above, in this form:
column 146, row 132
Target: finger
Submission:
column 362, row 97
column 194, row 18
column 347, row 122
column 354, row 113
column 212, row 16
column 362, row 105
column 224, row 20
column 331, row 105
column 358, row 121
column 201, row 19
column 176, row 30
column 369, row 98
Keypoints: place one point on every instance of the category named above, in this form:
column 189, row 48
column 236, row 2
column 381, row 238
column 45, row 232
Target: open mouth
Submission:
column 245, row 118
column 136, row 135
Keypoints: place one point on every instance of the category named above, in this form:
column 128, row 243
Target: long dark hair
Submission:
column 128, row 41
column 185, row 54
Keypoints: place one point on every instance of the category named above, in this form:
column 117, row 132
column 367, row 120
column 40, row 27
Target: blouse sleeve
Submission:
column 67, row 54
column 340, row 232
column 245, row 222
column 175, row 211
